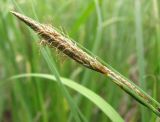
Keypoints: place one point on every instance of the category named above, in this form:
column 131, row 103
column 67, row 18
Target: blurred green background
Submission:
column 124, row 33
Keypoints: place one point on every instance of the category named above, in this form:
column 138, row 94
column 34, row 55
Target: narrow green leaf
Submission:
column 96, row 99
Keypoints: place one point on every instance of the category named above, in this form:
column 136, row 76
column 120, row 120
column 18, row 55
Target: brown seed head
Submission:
column 55, row 39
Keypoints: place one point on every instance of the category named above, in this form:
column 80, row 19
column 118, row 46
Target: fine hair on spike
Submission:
column 57, row 40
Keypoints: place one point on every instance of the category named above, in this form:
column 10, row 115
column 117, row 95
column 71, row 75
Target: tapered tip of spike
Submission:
column 14, row 13
column 30, row 22
column 20, row 16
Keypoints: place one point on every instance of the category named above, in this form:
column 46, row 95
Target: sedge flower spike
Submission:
column 52, row 38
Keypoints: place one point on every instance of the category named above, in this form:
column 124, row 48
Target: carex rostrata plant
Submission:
column 65, row 45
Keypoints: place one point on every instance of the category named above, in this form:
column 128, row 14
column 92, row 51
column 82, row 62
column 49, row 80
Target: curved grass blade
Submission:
column 94, row 98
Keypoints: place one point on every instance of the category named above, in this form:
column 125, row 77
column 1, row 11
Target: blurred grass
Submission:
column 140, row 52
column 110, row 29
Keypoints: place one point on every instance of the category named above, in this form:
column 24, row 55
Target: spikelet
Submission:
column 52, row 38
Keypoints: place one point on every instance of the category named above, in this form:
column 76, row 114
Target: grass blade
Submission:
column 94, row 98
column 140, row 52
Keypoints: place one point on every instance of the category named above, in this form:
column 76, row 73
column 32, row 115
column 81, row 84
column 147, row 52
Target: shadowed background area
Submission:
column 123, row 33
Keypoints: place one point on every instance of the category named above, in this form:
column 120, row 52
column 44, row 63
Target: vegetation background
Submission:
column 124, row 33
